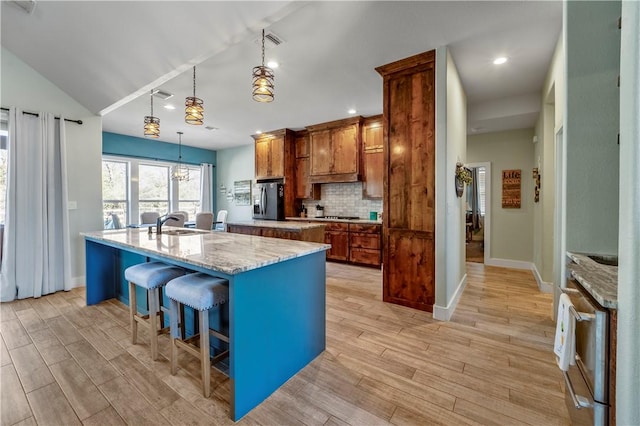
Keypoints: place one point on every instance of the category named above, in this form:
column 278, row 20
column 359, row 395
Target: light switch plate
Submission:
column 72, row 205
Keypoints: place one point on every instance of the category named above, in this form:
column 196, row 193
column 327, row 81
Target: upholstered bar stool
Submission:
column 201, row 292
column 151, row 276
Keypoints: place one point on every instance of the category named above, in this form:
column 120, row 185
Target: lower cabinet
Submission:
column 337, row 234
column 354, row 243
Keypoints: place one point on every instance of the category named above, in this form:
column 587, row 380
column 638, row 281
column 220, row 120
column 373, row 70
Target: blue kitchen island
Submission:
column 276, row 306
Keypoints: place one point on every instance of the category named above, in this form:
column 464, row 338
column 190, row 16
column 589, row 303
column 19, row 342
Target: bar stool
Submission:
column 151, row 276
column 201, row 292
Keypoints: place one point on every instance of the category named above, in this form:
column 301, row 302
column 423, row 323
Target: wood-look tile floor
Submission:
column 65, row 363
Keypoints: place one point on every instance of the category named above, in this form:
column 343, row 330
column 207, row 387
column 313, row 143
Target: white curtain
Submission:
column 36, row 258
column 206, row 187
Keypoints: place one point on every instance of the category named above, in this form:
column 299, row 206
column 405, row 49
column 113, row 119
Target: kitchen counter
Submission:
column 287, row 225
column 600, row 281
column 269, row 339
column 288, row 230
column 324, row 219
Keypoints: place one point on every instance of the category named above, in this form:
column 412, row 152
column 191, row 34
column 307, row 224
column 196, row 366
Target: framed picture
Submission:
column 511, row 193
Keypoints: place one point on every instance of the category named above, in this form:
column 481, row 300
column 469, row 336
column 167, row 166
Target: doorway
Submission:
column 477, row 213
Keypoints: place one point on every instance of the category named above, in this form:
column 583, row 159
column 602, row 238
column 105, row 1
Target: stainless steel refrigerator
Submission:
column 268, row 200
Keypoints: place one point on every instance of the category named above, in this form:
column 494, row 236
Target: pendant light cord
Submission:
column 263, row 47
column 194, row 81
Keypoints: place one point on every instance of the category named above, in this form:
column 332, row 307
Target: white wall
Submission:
column 234, row 164
column 592, row 46
column 628, row 360
column 25, row 88
column 511, row 229
column 451, row 143
column 549, row 122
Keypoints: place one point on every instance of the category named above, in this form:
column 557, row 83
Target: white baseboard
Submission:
column 508, row 263
column 443, row 313
column 543, row 286
column 78, row 281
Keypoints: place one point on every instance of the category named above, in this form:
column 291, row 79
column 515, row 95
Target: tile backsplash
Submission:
column 343, row 199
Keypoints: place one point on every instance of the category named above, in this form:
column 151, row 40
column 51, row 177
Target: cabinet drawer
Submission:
column 364, row 228
column 336, row 226
column 366, row 256
column 367, row 241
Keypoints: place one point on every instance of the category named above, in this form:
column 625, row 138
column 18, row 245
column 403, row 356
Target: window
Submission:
column 189, row 193
column 153, row 187
column 481, row 189
column 131, row 187
column 115, row 178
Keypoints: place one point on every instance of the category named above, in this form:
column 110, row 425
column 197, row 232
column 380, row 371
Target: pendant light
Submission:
column 194, row 111
column 180, row 172
column 151, row 123
column 262, row 80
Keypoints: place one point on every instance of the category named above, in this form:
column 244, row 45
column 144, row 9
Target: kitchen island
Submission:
column 276, row 306
column 286, row 229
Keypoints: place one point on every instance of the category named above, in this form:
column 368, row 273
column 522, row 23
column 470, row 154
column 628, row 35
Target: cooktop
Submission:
column 342, row 217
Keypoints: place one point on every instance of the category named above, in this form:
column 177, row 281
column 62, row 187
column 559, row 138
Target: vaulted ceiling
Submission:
column 109, row 55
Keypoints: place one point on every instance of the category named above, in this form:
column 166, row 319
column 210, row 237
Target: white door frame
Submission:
column 560, row 217
column 487, row 207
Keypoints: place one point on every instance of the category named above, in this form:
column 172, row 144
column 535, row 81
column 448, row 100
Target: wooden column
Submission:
column 409, row 181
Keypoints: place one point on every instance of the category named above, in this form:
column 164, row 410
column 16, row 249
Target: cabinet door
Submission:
column 372, row 136
column 372, row 186
column 276, row 148
column 302, row 146
column 345, row 149
column 321, row 153
column 302, row 178
column 409, row 203
column 262, row 158
column 339, row 241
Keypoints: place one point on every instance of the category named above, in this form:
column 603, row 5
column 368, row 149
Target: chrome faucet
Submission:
column 160, row 222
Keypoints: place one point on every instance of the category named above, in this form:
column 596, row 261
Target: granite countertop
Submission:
column 600, row 281
column 218, row 251
column 324, row 219
column 285, row 225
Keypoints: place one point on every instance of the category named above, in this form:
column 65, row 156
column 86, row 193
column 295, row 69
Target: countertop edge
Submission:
column 600, row 281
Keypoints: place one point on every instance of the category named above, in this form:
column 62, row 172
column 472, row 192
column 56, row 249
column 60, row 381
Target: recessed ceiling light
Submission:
column 168, row 106
column 211, row 128
column 499, row 61
column 272, row 64
column 352, row 111
column 258, row 132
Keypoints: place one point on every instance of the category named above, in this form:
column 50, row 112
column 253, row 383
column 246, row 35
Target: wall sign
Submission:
column 511, row 180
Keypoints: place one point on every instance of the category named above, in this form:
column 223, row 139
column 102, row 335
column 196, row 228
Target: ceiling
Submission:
column 109, row 55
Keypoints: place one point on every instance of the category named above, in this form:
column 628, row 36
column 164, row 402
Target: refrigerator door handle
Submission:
column 263, row 200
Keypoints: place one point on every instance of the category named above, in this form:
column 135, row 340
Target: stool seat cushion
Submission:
column 151, row 275
column 199, row 291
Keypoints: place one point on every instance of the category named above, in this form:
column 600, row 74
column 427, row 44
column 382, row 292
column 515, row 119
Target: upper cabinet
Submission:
column 275, row 158
column 304, row 188
column 335, row 151
column 270, row 154
column 373, row 159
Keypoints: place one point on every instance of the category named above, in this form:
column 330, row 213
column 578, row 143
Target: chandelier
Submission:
column 262, row 80
column 194, row 111
column 179, row 172
column 151, row 123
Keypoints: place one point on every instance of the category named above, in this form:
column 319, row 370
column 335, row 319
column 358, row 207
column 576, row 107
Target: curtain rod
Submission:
column 38, row 115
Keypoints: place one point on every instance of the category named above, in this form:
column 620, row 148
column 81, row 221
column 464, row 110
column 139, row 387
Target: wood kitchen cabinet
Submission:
column 409, row 178
column 275, row 158
column 364, row 244
column 304, row 188
column 335, row 149
column 372, row 158
column 337, row 234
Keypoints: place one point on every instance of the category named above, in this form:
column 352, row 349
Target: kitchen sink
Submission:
column 604, row 260
column 180, row 232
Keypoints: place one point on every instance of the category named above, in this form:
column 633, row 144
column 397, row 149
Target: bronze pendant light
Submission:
column 263, row 80
column 194, row 111
column 151, row 123
column 180, row 172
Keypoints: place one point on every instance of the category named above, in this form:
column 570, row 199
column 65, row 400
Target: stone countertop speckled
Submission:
column 600, row 281
column 218, row 251
column 324, row 219
column 284, row 225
